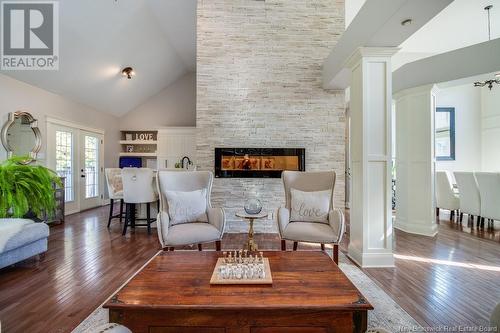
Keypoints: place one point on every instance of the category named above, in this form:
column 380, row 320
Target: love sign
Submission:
column 144, row 136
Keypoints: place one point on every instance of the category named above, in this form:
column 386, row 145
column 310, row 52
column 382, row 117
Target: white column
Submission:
column 371, row 100
column 415, row 165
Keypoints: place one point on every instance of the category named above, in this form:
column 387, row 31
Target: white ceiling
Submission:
column 100, row 37
column 461, row 24
column 377, row 26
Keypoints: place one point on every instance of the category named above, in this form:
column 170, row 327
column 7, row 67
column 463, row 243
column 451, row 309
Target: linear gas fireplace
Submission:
column 257, row 162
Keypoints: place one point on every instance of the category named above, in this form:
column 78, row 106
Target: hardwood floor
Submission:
column 453, row 278
column 85, row 263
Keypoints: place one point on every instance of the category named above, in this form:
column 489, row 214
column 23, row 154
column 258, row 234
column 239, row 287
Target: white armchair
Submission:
column 188, row 233
column 489, row 189
column 470, row 200
column 445, row 196
column 312, row 232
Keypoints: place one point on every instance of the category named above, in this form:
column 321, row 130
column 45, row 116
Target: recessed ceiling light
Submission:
column 406, row 22
column 128, row 72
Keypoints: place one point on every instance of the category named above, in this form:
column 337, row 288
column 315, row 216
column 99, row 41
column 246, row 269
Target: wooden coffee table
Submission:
column 172, row 294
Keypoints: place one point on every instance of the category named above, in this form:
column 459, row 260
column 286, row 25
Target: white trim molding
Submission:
column 417, row 227
column 368, row 260
column 74, row 125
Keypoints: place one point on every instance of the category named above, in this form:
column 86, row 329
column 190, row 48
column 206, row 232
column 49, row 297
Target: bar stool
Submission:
column 115, row 191
column 138, row 188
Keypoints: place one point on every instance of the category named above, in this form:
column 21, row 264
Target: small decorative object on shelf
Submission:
column 130, row 149
column 253, row 206
column 242, row 267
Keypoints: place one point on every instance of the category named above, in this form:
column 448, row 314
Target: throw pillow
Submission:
column 186, row 207
column 310, row 206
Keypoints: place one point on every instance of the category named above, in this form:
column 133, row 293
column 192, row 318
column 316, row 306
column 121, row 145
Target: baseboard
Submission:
column 69, row 212
column 417, row 228
column 367, row 260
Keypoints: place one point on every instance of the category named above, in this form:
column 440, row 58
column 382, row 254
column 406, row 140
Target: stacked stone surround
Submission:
column 259, row 67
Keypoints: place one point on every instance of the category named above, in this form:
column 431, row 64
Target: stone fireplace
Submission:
column 257, row 162
column 259, row 84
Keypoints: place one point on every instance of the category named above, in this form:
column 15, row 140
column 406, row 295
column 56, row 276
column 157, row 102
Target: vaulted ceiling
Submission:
column 100, row 37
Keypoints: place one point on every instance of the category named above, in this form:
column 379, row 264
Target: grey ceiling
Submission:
column 100, row 37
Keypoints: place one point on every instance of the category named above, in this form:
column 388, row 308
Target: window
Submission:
column 445, row 134
column 64, row 161
column 91, row 167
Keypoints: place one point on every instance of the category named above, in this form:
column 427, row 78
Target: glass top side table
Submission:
column 250, row 243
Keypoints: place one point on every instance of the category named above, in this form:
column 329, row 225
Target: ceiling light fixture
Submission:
column 488, row 83
column 487, row 8
column 406, row 22
column 128, row 72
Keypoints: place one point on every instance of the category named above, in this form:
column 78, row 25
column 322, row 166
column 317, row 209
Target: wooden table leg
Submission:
column 360, row 319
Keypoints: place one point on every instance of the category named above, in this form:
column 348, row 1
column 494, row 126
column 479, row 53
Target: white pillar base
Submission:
column 416, row 227
column 367, row 260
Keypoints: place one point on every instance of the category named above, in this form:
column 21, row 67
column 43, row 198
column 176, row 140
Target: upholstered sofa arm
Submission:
column 283, row 218
column 217, row 218
column 337, row 223
column 162, row 223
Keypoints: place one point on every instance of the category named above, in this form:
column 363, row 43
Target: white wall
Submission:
column 351, row 9
column 16, row 95
column 173, row 106
column 466, row 99
column 490, row 128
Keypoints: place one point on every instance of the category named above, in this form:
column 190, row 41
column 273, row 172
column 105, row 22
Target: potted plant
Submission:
column 26, row 188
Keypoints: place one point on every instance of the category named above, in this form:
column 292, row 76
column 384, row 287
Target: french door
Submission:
column 77, row 155
column 90, row 169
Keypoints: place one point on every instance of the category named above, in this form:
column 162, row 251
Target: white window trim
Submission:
column 74, row 125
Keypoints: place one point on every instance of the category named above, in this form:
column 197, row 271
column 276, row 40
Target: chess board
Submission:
column 267, row 279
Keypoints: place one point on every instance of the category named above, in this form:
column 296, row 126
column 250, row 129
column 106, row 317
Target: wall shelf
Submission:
column 138, row 142
column 138, row 154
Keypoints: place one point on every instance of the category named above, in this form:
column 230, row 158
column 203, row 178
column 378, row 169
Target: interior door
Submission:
column 90, row 169
column 62, row 157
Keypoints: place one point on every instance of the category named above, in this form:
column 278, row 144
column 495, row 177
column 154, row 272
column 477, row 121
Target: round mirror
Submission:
column 21, row 136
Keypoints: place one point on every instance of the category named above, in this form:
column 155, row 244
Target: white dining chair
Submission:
column 446, row 198
column 320, row 232
column 115, row 191
column 183, row 183
column 138, row 188
column 470, row 199
column 489, row 189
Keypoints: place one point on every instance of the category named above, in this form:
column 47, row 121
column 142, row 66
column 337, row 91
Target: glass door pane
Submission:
column 64, row 162
column 91, row 171
column 91, row 166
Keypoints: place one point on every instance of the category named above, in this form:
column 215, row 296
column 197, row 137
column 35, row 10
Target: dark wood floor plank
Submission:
column 86, row 263
column 434, row 279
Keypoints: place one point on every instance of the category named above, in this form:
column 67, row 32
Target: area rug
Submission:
column 387, row 313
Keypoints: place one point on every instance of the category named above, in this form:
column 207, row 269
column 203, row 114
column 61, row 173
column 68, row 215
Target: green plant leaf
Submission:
column 25, row 188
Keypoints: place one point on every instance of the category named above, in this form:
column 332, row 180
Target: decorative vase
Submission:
column 253, row 206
